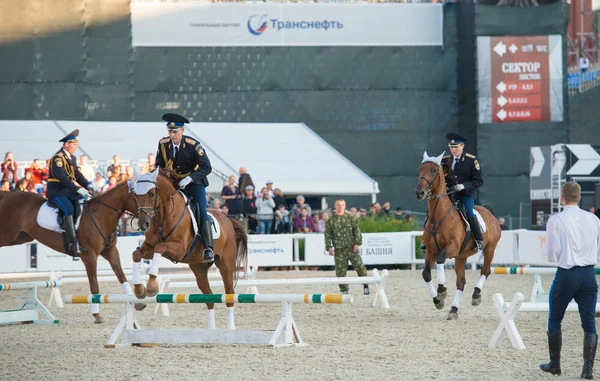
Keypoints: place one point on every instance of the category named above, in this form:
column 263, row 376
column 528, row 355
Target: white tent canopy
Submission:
column 296, row 159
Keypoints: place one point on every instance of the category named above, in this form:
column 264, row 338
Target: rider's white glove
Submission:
column 185, row 182
column 84, row 193
column 459, row 187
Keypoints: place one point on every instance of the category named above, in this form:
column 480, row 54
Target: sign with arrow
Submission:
column 520, row 78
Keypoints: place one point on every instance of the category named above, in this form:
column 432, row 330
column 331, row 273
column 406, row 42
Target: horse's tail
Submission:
column 241, row 240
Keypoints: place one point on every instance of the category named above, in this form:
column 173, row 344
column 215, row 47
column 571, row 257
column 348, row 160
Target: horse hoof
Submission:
column 439, row 305
column 476, row 301
column 140, row 291
column 140, row 306
column 99, row 319
column 151, row 291
column 452, row 316
column 443, row 295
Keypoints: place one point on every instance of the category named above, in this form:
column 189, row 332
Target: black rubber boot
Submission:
column 554, row 346
column 207, row 237
column 590, row 342
column 74, row 248
column 476, row 229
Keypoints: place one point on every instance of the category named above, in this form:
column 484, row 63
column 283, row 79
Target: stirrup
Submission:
column 479, row 245
column 209, row 255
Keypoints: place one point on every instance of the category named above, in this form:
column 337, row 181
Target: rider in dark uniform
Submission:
column 66, row 185
column 187, row 157
column 468, row 178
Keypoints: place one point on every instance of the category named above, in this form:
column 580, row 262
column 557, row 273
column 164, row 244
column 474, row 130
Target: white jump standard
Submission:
column 28, row 311
column 285, row 334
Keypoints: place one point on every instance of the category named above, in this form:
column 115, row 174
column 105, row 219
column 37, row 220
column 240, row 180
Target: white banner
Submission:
column 272, row 24
column 270, row 250
column 531, row 248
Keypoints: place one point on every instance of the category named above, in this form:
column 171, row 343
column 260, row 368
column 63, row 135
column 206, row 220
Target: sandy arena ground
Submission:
column 410, row 341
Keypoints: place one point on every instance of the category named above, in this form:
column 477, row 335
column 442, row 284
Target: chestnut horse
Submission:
column 444, row 234
column 168, row 229
column 96, row 232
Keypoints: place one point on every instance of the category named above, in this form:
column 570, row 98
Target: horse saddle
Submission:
column 463, row 214
column 49, row 217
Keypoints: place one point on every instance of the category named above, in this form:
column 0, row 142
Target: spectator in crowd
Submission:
column 150, row 165
column 129, row 173
column 278, row 197
column 115, row 168
column 270, row 187
column 304, row 223
column 342, row 240
column 9, row 170
column 323, row 221
column 216, row 203
column 592, row 210
column 362, row 213
column 29, row 183
column 112, row 182
column 409, row 218
column 264, row 206
column 21, row 186
column 282, row 220
column 231, row 194
column 300, row 203
column 244, row 180
column 573, row 242
column 249, row 208
column 584, row 63
column 386, row 209
column 39, row 174
column 399, row 214
column 354, row 212
column 502, row 223
column 375, row 209
column 315, row 217
column 5, row 185
column 98, row 183
column 85, row 168
column 225, row 210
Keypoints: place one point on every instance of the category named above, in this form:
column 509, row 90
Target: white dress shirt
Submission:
column 573, row 238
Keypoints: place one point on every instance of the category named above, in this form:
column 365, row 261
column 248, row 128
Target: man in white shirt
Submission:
column 584, row 63
column 573, row 242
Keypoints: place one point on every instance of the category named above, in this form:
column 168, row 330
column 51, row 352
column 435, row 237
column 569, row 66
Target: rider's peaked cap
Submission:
column 455, row 139
column 71, row 137
column 174, row 121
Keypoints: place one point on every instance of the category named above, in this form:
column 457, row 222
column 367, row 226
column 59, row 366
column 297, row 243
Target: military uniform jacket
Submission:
column 64, row 176
column 468, row 173
column 342, row 232
column 190, row 161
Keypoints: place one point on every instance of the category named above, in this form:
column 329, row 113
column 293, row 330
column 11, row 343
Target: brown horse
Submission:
column 97, row 229
column 168, row 226
column 444, row 234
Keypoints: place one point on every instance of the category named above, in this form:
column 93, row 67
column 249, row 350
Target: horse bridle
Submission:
column 149, row 211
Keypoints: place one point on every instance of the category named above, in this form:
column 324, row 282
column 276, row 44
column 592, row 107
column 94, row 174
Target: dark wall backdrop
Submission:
column 381, row 107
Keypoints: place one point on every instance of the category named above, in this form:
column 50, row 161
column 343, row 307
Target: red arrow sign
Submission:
column 524, row 114
column 524, row 100
column 523, row 87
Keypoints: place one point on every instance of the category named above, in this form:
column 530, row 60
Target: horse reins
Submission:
column 112, row 235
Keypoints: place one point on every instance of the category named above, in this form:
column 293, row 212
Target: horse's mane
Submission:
column 171, row 175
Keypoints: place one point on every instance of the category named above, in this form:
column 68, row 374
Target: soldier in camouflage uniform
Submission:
column 342, row 239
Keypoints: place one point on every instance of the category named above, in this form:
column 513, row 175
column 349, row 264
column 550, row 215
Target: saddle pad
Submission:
column 215, row 224
column 479, row 218
column 48, row 218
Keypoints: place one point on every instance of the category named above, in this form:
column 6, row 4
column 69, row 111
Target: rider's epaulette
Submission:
column 469, row 155
column 165, row 140
column 190, row 141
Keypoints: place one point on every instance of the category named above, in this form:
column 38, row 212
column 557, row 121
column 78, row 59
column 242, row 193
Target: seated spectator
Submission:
column 225, row 210
column 399, row 214
column 9, row 170
column 5, row 185
column 98, row 183
column 216, row 204
column 115, row 168
column 231, row 194
column 282, row 220
column 129, row 174
column 150, row 165
column 29, row 183
column 248, row 208
column 86, row 169
column 304, row 223
column 112, row 182
column 21, row 186
column 264, row 207
column 322, row 221
column 39, row 173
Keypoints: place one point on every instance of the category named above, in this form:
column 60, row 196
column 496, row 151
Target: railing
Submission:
column 579, row 82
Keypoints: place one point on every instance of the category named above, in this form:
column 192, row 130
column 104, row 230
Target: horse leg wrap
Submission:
column 155, row 264
column 95, row 309
column 230, row 318
column 136, row 276
column 127, row 288
column 211, row 319
column 441, row 277
column 457, row 299
column 480, row 282
column 432, row 291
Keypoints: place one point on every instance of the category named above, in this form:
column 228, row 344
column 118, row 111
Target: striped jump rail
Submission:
column 211, row 298
column 527, row 270
column 28, row 285
column 28, row 311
